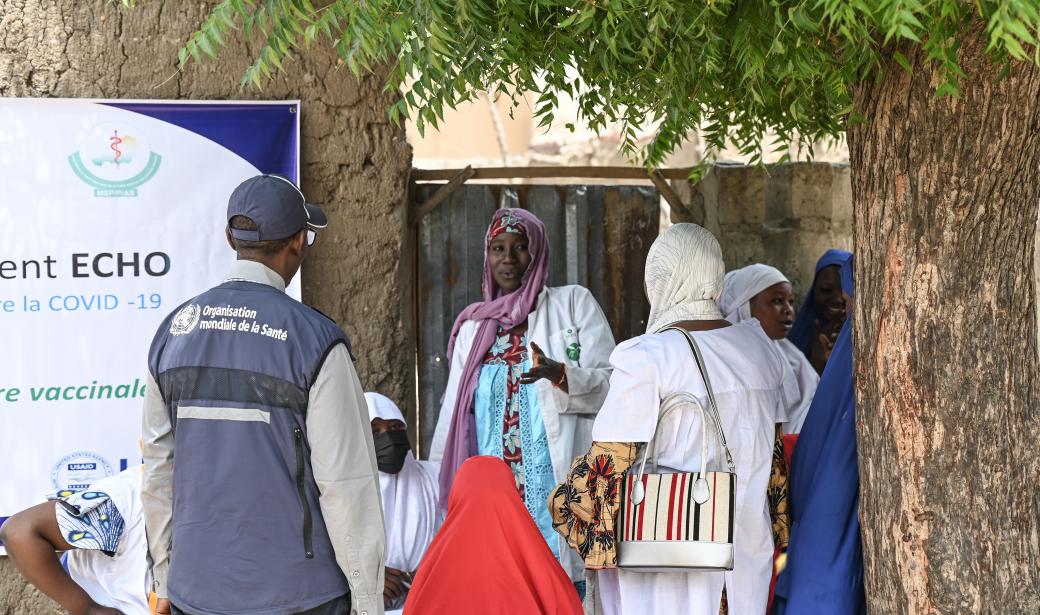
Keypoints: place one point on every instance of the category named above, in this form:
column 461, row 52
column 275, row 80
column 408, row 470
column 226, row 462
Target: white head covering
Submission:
column 409, row 499
column 684, row 276
column 742, row 285
column 382, row 407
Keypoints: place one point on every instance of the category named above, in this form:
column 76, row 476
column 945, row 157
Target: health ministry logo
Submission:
column 115, row 159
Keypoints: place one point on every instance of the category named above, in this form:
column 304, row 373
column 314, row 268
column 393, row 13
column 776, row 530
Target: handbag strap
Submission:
column 668, row 404
column 672, row 402
column 713, row 411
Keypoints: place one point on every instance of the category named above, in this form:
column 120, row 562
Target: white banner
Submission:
column 111, row 214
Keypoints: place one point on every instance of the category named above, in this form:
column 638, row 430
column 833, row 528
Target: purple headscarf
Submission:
column 496, row 310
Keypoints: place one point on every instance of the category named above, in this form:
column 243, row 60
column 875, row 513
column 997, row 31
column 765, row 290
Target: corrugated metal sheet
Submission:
column 598, row 238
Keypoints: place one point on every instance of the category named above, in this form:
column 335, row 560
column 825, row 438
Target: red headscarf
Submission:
column 489, row 558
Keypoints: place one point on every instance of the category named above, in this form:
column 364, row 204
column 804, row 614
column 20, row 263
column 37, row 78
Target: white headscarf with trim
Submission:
column 684, row 276
column 409, row 499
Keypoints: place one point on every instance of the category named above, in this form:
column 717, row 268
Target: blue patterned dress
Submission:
column 510, row 426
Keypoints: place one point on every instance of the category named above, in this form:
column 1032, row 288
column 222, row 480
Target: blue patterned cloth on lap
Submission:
column 89, row 520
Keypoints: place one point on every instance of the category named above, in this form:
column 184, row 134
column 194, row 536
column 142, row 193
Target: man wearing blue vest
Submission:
column 274, row 507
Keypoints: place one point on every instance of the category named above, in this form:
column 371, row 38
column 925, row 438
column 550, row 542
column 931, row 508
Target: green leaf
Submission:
column 569, row 21
column 273, row 57
column 727, row 71
column 947, row 88
column 901, row 59
column 906, row 32
column 217, row 37
column 205, row 45
column 1014, row 48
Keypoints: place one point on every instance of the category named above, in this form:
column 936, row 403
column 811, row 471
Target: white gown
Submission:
column 747, row 373
column 801, row 394
column 123, row 580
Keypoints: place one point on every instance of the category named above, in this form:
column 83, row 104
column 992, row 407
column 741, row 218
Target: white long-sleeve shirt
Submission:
column 342, row 460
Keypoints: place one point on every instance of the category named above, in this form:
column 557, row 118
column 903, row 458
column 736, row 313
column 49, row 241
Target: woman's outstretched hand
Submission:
column 544, row 367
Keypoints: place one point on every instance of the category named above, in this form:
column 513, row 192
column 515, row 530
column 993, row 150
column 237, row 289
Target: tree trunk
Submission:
column 945, row 198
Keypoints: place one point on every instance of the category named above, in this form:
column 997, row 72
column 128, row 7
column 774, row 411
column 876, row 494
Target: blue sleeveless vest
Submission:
column 234, row 367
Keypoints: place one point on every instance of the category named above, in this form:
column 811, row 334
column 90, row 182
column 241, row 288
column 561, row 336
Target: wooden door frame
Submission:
column 452, row 180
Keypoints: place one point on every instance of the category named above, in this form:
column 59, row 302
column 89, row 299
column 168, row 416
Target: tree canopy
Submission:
column 729, row 70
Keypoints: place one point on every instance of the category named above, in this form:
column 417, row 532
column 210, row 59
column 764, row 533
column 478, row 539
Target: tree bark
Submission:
column 945, row 195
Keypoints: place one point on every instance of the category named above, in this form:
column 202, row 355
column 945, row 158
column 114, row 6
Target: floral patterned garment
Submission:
column 510, row 425
column 779, row 513
column 585, row 507
column 510, row 350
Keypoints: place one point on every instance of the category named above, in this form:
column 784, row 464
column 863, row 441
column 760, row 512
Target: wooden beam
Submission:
column 459, row 177
column 434, row 175
column 669, row 195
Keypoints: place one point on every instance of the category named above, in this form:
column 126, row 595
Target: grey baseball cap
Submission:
column 276, row 205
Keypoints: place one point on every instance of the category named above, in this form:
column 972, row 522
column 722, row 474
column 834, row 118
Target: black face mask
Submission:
column 391, row 448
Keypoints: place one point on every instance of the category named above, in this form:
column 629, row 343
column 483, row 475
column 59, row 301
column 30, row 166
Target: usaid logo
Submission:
column 77, row 471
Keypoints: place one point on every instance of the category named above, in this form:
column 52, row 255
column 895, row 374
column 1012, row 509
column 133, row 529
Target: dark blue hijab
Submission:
column 804, row 327
column 824, row 572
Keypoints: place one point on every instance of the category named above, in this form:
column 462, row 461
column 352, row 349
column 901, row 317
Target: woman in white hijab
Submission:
column 764, row 293
column 684, row 277
column 409, row 493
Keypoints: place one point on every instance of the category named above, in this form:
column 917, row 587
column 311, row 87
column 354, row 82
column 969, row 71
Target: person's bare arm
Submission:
column 395, row 585
column 31, row 538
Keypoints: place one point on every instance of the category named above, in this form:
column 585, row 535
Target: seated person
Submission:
column 101, row 530
column 490, row 558
column 409, row 490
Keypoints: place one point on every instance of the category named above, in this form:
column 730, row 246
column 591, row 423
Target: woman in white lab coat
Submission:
column 529, row 370
column 684, row 277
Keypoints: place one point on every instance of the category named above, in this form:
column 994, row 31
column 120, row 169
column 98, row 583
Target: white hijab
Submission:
column 409, row 499
column 800, row 379
column 684, row 276
column 741, row 287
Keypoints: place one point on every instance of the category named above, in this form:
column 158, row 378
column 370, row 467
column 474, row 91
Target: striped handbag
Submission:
column 684, row 520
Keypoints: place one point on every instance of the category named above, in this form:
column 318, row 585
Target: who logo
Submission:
column 115, row 159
